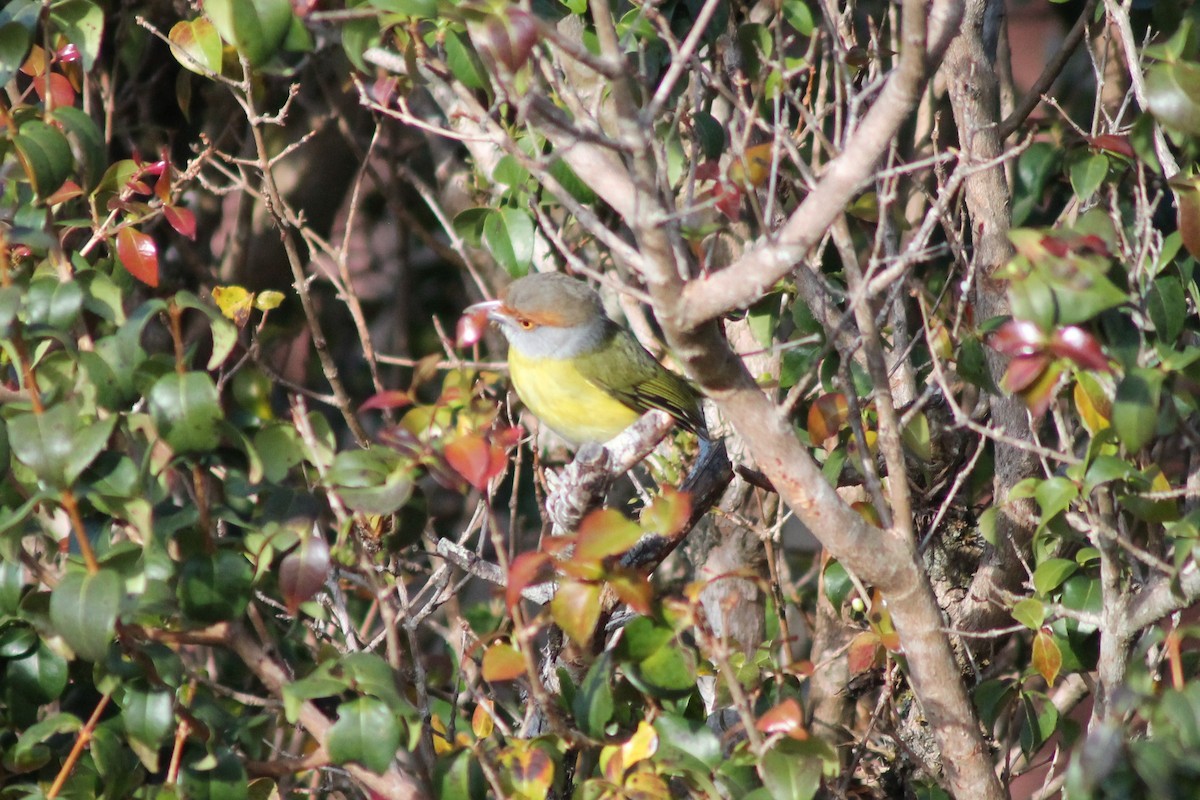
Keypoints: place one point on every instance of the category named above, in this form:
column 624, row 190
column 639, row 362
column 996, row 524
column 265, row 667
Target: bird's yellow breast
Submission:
column 566, row 401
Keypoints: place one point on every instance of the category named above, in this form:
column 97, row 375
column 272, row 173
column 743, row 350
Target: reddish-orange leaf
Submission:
column 181, row 219
column 865, row 652
column 786, row 718
column 1047, row 658
column 138, row 253
column 502, row 662
column 57, row 87
column 828, row 414
column 474, row 458
column 526, row 570
column 69, row 190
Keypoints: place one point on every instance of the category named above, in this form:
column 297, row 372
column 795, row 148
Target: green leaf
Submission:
column 54, row 303
column 29, row 754
column 469, row 224
column 83, row 610
column 669, row 672
column 367, row 732
column 1104, row 470
column 39, row 675
column 561, row 171
column 990, row 699
column 214, row 588
column 1173, row 95
column 376, row 481
column 1082, row 593
column 799, row 16
column 1135, row 409
column 1052, row 572
column 148, row 714
column 219, row 778
column 257, row 28
column 45, row 154
column 689, row 737
column 509, row 235
column 1167, row 306
column 224, row 332
column 197, row 46
column 1054, row 495
column 59, row 443
column 186, row 411
column 1030, row 612
column 1087, row 174
column 87, row 142
column 792, row 769
column 464, row 62
column 593, row 702
column 837, row 584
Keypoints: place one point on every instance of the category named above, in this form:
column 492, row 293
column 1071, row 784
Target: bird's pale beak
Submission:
column 488, row 307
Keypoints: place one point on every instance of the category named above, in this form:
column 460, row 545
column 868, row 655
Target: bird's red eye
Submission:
column 526, row 323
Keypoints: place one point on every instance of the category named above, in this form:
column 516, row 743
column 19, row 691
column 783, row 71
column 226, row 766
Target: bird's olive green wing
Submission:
column 624, row 369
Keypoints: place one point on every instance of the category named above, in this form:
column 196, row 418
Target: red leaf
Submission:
column 708, row 171
column 524, row 571
column 395, row 398
column 182, row 220
column 138, row 253
column 1081, row 347
column 1023, row 371
column 1017, row 337
column 1113, row 144
column 508, row 435
column 728, row 200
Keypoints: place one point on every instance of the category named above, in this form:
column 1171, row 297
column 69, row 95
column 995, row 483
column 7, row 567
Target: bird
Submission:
column 584, row 376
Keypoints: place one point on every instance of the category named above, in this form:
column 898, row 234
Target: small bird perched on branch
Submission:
column 583, row 375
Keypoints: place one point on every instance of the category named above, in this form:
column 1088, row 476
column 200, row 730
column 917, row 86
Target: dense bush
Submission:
column 270, row 525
